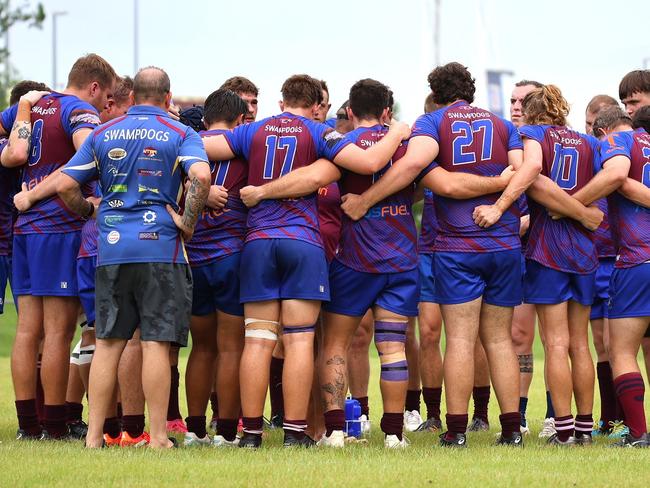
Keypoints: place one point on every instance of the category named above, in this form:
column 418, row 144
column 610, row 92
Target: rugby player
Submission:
column 594, row 106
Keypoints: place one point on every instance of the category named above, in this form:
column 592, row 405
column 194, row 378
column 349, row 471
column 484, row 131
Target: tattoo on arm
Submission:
column 22, row 129
column 197, row 195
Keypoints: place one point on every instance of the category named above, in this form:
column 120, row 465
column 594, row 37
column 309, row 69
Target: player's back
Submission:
column 476, row 141
column 569, row 159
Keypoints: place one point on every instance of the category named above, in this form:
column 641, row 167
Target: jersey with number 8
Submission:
column 273, row 147
column 570, row 160
column 471, row 140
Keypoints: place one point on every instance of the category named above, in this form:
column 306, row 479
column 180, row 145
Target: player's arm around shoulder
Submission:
column 635, row 191
column 196, row 197
column 17, row 150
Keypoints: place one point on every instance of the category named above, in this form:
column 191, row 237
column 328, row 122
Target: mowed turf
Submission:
column 424, row 463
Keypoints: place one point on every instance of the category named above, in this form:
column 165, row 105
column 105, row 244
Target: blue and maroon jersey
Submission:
column 9, row 186
column 220, row 233
column 570, row 159
column 273, row 147
column 603, row 237
column 630, row 222
column 329, row 218
column 55, row 118
column 385, row 239
column 429, row 227
column 90, row 231
column 471, row 140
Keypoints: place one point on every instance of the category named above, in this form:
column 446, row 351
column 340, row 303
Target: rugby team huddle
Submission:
column 285, row 245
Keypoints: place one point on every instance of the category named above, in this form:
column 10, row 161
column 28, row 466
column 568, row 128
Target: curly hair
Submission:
column 545, row 105
column 451, row 82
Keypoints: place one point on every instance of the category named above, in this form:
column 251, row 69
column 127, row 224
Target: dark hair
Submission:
column 223, row 106
column 368, row 98
column 599, row 102
column 302, row 91
column 22, row 87
column 609, row 118
column 637, row 81
column 342, row 113
column 122, row 90
column 239, row 85
column 323, row 84
column 192, row 117
column 534, row 83
column 641, row 119
column 152, row 84
column 429, row 104
column 545, row 105
column 451, row 82
column 391, row 100
column 90, row 68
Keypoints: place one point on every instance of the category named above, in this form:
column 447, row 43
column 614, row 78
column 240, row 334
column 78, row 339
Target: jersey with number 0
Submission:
column 630, row 222
column 570, row 159
column 429, row 227
column 139, row 159
column 471, row 140
column 220, row 233
column 55, row 118
column 385, row 239
column 9, row 185
column 273, row 147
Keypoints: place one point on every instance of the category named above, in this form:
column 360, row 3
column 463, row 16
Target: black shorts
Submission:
column 157, row 297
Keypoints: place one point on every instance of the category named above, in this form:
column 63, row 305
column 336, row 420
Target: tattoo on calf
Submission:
column 334, row 392
column 525, row 363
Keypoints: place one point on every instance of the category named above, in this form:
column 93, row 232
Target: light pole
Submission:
column 135, row 36
column 54, row 17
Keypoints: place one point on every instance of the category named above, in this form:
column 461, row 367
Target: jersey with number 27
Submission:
column 273, row 147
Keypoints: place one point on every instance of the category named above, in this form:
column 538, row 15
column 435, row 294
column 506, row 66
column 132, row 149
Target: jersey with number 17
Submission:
column 273, row 147
column 471, row 140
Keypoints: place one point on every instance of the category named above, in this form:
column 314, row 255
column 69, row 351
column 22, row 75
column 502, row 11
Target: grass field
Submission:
column 423, row 464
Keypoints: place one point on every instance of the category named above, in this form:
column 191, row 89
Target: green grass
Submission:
column 423, row 464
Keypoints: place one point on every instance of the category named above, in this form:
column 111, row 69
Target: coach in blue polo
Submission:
column 143, row 279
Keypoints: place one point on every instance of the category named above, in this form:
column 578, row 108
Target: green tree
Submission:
column 9, row 16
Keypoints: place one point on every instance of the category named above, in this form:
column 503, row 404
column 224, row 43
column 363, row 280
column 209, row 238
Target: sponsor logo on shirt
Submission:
column 113, row 220
column 116, row 203
column 117, row 154
column 145, row 202
column 118, row 188
column 112, row 237
column 135, row 134
column 144, row 188
column 148, row 236
column 44, row 111
column 150, row 152
column 64, row 285
column 150, row 172
column 149, row 217
column 113, row 171
column 387, row 211
column 84, row 118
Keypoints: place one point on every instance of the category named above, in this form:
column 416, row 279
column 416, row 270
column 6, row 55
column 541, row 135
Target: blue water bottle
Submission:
column 352, row 414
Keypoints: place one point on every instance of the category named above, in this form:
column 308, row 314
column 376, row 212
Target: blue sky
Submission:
column 201, row 43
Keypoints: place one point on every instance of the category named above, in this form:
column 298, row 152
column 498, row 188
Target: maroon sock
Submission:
column 133, row 425
column 456, row 424
column 630, row 391
column 334, row 420
column 112, row 427
column 253, row 425
column 27, row 417
column 54, row 421
column 584, row 424
column 607, row 393
column 40, row 394
column 412, row 400
column 73, row 412
column 119, row 410
column 391, row 424
column 432, row 398
column 197, row 425
column 275, row 386
column 227, row 428
column 510, row 423
column 481, row 399
column 173, row 410
column 214, row 405
column 363, row 401
column 564, row 427
column 295, row 427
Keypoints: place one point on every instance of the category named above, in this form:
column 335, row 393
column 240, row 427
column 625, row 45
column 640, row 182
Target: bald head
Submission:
column 151, row 85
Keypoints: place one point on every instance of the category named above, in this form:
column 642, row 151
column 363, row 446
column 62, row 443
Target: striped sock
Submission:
column 295, row 427
column 564, row 427
column 584, row 424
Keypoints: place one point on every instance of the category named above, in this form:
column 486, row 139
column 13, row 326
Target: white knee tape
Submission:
column 261, row 329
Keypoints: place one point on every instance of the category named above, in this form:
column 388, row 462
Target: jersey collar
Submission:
column 146, row 110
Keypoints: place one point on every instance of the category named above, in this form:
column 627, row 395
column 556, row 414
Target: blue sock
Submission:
column 523, row 403
column 550, row 412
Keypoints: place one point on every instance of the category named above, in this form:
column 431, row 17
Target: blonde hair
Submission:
column 545, row 106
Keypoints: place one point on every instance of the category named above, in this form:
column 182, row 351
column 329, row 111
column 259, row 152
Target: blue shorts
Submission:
column 463, row 276
column 45, row 264
column 216, row 287
column 547, row 286
column 86, row 282
column 5, row 276
column 629, row 292
column 599, row 309
column 427, row 278
column 283, row 269
column 354, row 292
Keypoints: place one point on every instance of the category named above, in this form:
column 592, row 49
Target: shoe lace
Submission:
column 549, row 427
column 618, row 426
